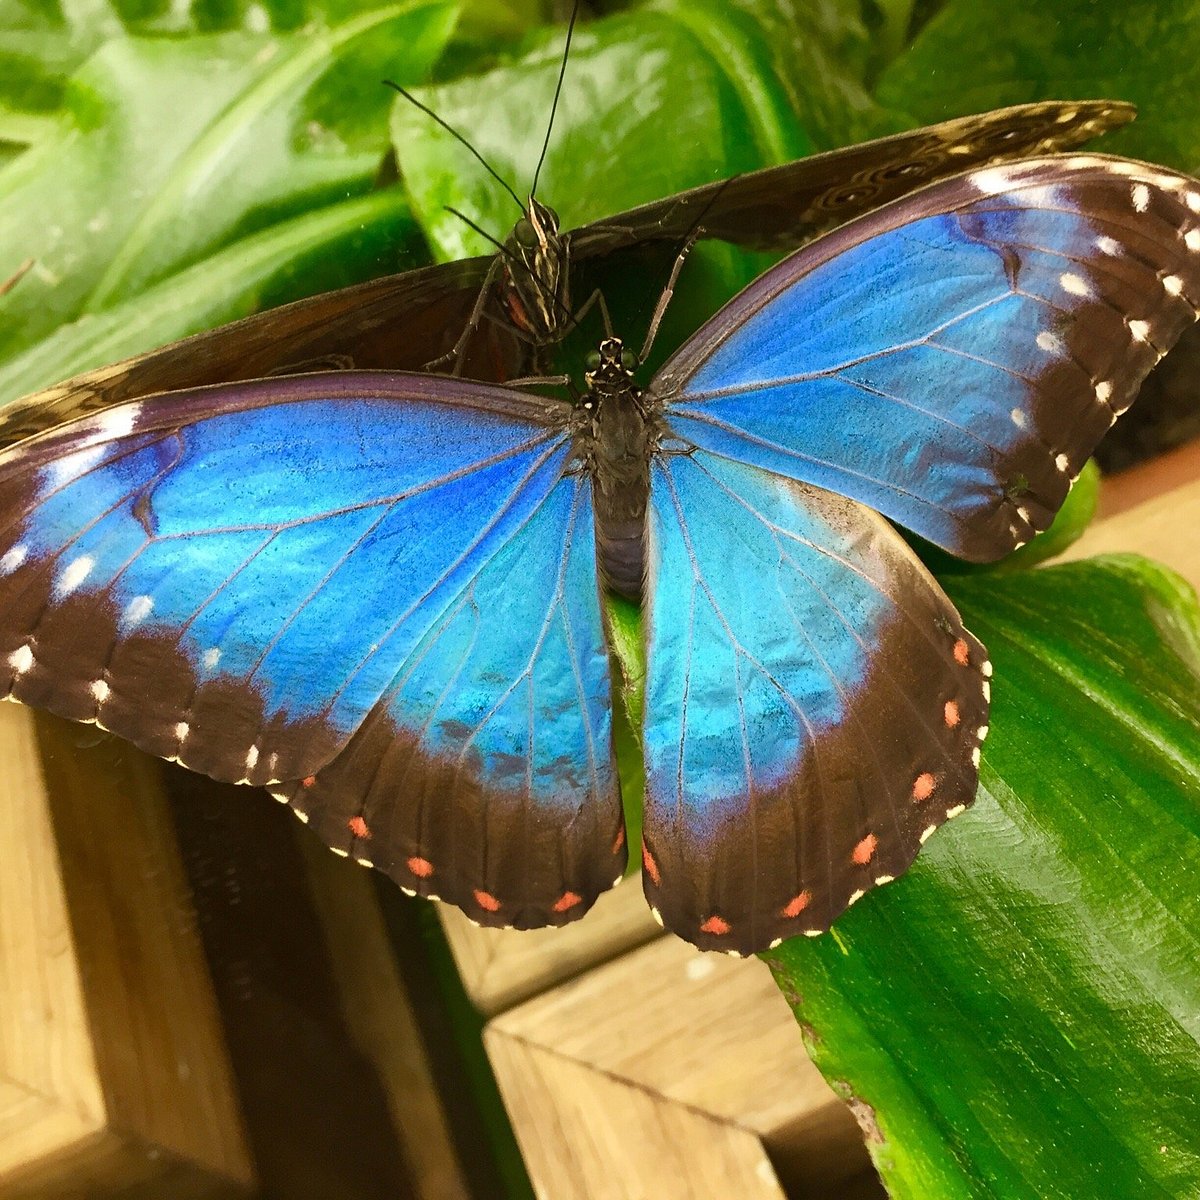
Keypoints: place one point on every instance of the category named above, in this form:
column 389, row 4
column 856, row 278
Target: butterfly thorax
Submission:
column 616, row 439
column 534, row 285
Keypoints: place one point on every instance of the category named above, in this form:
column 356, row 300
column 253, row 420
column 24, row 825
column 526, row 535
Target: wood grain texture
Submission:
column 667, row 1066
column 113, row 1075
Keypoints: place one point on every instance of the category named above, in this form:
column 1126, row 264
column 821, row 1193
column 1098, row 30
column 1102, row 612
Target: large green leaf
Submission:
column 138, row 186
column 326, row 248
column 1019, row 1016
column 982, row 54
column 690, row 76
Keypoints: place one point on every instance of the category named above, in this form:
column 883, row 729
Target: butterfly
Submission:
column 409, row 320
column 379, row 595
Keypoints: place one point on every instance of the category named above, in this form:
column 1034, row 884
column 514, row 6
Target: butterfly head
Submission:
column 535, row 287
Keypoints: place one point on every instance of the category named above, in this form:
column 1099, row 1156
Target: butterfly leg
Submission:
column 664, row 298
column 458, row 351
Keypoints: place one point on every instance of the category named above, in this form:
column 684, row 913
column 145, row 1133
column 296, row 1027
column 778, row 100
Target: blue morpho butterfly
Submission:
column 512, row 305
column 378, row 594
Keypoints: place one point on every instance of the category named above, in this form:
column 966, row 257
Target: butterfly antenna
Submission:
column 562, row 71
column 458, row 137
column 501, row 248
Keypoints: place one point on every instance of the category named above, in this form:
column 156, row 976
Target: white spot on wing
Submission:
column 77, row 570
column 14, row 558
column 1062, row 462
column 251, row 759
column 138, row 609
column 987, row 691
column 1018, row 418
column 1140, row 195
column 1191, row 239
column 1107, row 245
column 340, row 852
column 951, row 813
column 1104, row 392
column 210, row 658
column 100, row 690
column 21, row 659
column 975, row 757
column 1192, row 199
column 1075, row 285
column 992, row 181
column 1049, row 342
column 855, row 897
column 182, row 729
column 1172, row 285
column 986, row 669
column 927, row 833
column 880, row 880
column 118, row 422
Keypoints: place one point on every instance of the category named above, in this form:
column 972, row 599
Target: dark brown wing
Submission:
column 781, row 207
column 399, row 322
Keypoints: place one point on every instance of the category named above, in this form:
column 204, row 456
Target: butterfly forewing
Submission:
column 778, row 208
column 953, row 359
column 255, row 580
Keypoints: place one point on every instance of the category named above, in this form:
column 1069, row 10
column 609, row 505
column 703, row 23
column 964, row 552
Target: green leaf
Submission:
column 1019, row 1015
column 330, row 247
column 138, row 186
column 692, row 76
column 981, row 54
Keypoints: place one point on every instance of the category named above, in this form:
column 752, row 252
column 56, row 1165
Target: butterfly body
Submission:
column 620, row 435
column 380, row 594
column 534, row 289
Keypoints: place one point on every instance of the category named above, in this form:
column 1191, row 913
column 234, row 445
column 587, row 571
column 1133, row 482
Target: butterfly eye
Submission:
column 629, row 360
column 593, row 360
column 525, row 234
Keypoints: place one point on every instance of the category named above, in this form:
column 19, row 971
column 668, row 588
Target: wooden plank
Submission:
column 501, row 967
column 113, row 1075
column 380, row 1018
column 661, row 1064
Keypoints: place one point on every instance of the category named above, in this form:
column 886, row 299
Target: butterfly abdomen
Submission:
column 619, row 442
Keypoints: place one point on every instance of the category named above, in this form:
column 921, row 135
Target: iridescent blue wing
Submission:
column 814, row 706
column 953, row 359
column 375, row 594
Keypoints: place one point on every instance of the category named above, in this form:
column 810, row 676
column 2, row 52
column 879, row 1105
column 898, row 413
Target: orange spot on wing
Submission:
column 487, row 900
column 619, row 840
column 359, row 827
column 651, row 866
column 923, row 786
column 951, row 713
column 865, row 850
column 795, row 906
column 421, row 867
column 715, row 924
column 309, row 781
column 962, row 653
column 566, row 901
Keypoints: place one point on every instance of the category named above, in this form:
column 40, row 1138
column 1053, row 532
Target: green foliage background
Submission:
column 1018, row 1017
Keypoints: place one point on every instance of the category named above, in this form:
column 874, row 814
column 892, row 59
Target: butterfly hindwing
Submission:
column 484, row 776
column 241, row 577
column 953, row 359
column 814, row 707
